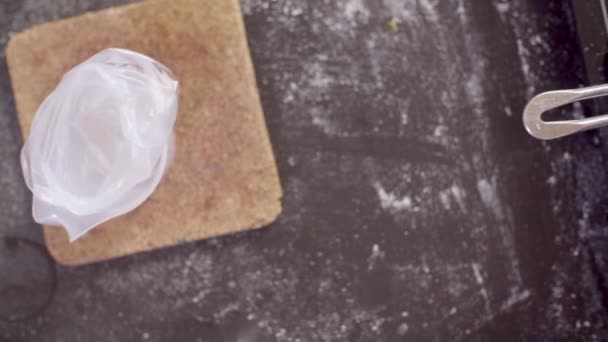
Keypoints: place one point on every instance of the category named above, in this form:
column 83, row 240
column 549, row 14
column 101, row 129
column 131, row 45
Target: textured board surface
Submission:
column 223, row 178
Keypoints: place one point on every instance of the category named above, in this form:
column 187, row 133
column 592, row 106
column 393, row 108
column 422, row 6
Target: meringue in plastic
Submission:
column 101, row 141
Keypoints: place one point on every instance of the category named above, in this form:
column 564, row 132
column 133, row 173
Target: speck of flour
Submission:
column 356, row 10
column 390, row 201
column 402, row 329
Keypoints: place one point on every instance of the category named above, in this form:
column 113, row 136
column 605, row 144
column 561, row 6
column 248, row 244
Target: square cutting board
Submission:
column 223, row 177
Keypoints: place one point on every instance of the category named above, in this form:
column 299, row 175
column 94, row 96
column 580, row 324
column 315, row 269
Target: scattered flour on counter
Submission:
column 489, row 197
column 321, row 119
column 502, row 7
column 356, row 9
column 314, row 88
column 297, row 11
column 483, row 291
column 474, row 88
column 477, row 273
column 538, row 41
column 376, row 252
column 459, row 195
column 516, row 297
column 454, row 193
column 318, row 75
column 402, row 329
column 390, row 201
column 413, row 11
column 221, row 314
column 440, row 130
column 376, row 255
column 397, row 9
column 429, row 9
column 404, row 118
column 524, row 56
column 444, row 197
column 200, row 296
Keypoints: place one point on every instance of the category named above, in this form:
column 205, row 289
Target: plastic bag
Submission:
column 101, row 141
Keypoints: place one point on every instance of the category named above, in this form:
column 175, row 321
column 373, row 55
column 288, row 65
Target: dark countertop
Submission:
column 415, row 208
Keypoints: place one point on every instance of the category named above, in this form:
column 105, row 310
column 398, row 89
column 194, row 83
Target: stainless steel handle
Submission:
column 555, row 129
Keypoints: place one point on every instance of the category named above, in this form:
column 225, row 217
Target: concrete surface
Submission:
column 416, row 207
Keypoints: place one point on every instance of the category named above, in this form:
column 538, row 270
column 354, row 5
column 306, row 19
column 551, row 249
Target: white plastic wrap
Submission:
column 101, row 141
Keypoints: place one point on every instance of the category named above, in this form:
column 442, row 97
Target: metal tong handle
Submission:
column 552, row 99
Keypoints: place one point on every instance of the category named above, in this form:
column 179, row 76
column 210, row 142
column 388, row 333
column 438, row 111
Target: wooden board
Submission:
column 223, row 177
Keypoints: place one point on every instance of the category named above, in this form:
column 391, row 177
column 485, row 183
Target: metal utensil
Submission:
column 555, row 129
